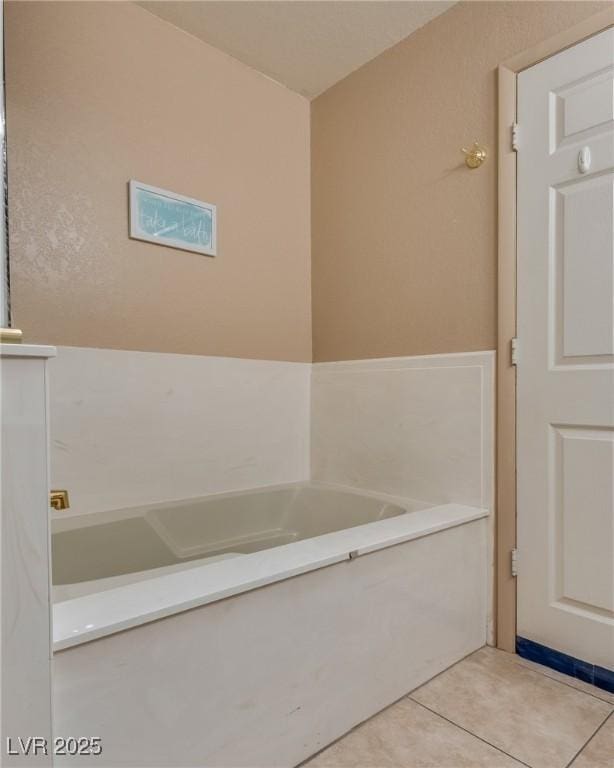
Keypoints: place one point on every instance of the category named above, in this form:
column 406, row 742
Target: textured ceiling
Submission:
column 306, row 45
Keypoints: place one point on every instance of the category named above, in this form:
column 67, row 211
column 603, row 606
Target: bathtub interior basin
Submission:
column 104, row 550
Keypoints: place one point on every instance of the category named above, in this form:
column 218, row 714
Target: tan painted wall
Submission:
column 99, row 93
column 403, row 235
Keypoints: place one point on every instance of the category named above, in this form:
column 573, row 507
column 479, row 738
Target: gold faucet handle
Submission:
column 58, row 500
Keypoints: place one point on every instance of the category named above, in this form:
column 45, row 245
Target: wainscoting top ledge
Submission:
column 26, row 350
column 410, row 361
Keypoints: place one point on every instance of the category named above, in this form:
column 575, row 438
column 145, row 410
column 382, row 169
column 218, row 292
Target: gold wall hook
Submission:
column 475, row 156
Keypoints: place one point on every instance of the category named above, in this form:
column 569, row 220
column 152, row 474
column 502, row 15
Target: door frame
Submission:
column 505, row 591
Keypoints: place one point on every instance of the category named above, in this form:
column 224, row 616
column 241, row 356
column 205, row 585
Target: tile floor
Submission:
column 491, row 710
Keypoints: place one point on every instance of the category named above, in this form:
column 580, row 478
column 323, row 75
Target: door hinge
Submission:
column 514, row 348
column 514, row 562
column 515, row 137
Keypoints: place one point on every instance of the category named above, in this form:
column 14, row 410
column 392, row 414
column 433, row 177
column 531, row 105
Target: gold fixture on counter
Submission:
column 10, row 336
column 58, row 500
column 475, row 156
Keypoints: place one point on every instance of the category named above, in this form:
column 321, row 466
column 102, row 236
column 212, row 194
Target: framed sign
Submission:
column 166, row 218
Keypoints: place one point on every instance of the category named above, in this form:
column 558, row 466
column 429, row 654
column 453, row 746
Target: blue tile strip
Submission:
column 568, row 665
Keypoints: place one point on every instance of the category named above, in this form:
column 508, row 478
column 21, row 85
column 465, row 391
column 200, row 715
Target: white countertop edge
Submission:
column 26, row 350
column 104, row 613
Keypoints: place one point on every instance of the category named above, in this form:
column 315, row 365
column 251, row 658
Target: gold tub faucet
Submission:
column 58, row 500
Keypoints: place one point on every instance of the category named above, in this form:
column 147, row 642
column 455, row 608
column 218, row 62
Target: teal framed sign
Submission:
column 166, row 218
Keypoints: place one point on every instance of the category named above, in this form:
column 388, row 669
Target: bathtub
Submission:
column 105, row 550
column 254, row 628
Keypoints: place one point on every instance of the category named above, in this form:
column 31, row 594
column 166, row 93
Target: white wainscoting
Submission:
column 419, row 427
column 131, row 428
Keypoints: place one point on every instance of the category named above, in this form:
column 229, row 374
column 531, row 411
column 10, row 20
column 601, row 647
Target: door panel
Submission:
column 565, row 377
column 584, row 107
column 584, row 526
column 586, row 266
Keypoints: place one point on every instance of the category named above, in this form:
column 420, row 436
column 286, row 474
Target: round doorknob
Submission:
column 475, row 156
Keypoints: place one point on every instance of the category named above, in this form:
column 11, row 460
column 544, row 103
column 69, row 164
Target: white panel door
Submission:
column 566, row 351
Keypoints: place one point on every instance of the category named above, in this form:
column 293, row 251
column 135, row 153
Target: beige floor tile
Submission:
column 532, row 717
column 408, row 736
column 599, row 752
column 567, row 680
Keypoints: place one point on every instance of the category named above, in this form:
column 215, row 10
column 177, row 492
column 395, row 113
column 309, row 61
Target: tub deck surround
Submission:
column 110, row 610
column 419, row 427
column 271, row 676
column 228, row 662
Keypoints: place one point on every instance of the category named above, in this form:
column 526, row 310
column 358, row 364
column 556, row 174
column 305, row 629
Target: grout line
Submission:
column 443, row 671
column 564, row 682
column 583, row 747
column 351, row 730
column 543, row 670
column 475, row 736
column 456, row 725
column 389, row 706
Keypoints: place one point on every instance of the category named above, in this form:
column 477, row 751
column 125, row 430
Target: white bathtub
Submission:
column 104, row 550
column 391, row 591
